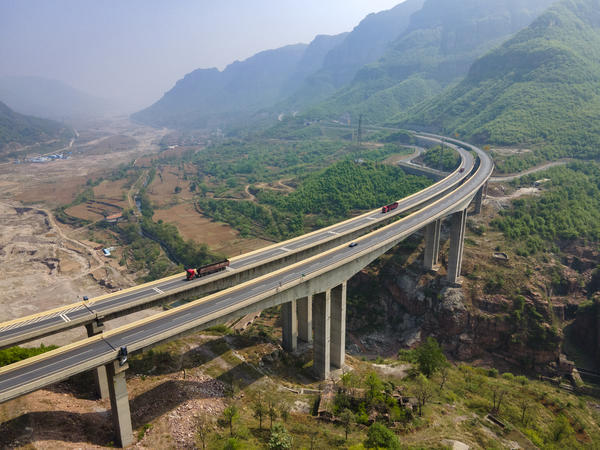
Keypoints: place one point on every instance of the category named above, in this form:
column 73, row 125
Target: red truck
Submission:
column 389, row 207
column 202, row 271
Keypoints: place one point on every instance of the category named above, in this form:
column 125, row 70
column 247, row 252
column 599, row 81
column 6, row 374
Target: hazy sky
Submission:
column 135, row 50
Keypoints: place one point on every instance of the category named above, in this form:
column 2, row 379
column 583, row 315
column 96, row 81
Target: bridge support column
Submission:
column 432, row 244
column 338, row 325
column 289, row 326
column 457, row 241
column 304, row 306
column 94, row 328
column 478, row 201
column 322, row 338
column 119, row 403
column 479, row 197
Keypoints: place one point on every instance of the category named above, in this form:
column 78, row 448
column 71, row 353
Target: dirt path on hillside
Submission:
column 514, row 176
column 250, row 195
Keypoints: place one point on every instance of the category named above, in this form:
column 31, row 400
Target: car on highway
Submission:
column 352, row 244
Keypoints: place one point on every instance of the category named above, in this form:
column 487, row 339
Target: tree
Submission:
column 423, row 391
column 380, row 436
column 280, row 439
column 444, row 373
column 230, row 414
column 524, row 406
column 375, row 386
column 203, row 426
column 271, row 410
column 430, row 357
column 260, row 410
column 347, row 420
column 284, row 411
column 498, row 394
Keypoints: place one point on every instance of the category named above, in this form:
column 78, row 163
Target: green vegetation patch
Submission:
column 13, row 354
column 346, row 186
column 441, row 158
column 568, row 210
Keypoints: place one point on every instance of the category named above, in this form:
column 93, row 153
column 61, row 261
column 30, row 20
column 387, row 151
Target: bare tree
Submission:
column 444, row 372
column 284, row 410
column 271, row 410
column 524, row 406
column 230, row 414
column 498, row 394
column 203, row 426
column 260, row 410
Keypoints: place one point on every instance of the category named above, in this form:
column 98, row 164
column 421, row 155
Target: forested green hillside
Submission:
column 346, row 186
column 17, row 130
column 438, row 47
column 322, row 198
column 540, row 88
column 568, row 210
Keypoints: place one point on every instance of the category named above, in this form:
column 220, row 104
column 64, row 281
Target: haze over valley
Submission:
column 341, row 224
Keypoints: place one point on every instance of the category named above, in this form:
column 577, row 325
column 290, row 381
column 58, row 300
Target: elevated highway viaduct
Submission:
column 318, row 281
column 93, row 312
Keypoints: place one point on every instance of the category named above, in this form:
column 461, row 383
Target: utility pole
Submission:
column 359, row 133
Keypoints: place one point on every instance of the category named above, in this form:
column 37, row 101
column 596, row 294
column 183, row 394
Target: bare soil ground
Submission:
column 40, row 268
column 218, row 236
column 112, row 192
column 44, row 264
column 92, row 210
column 162, row 189
column 57, row 183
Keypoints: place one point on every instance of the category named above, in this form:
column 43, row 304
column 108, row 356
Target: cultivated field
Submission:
column 219, row 237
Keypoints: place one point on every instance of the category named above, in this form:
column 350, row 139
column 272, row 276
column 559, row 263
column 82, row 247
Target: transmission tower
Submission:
column 359, row 133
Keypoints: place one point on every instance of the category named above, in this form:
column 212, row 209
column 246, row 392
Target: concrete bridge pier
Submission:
column 322, row 337
column 479, row 197
column 119, row 403
column 304, row 311
column 432, row 245
column 94, row 328
column 338, row 325
column 289, row 326
column 458, row 224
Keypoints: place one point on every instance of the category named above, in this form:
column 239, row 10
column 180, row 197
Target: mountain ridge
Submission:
column 50, row 99
column 542, row 87
column 18, row 130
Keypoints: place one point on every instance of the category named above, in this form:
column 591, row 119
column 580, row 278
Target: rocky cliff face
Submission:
column 407, row 306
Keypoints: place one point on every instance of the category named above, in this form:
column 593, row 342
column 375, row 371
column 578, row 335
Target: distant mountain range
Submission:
column 503, row 71
column 437, row 48
column 208, row 97
column 52, row 99
column 295, row 76
column 18, row 130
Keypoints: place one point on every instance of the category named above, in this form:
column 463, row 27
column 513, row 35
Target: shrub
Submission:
column 280, row 438
column 379, row 436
